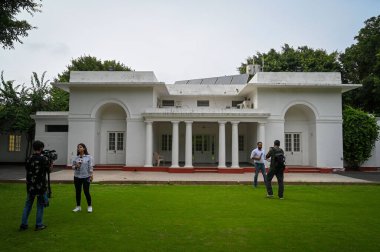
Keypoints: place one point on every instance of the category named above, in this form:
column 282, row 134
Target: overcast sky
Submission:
column 183, row 39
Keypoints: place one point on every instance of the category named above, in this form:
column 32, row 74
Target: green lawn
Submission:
column 198, row 218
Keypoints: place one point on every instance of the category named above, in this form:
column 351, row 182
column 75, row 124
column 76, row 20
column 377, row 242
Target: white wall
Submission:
column 326, row 105
column 135, row 142
column 214, row 102
column 81, row 131
column 94, row 114
column 274, row 130
column 135, row 100
column 53, row 140
column 327, row 102
column 329, row 144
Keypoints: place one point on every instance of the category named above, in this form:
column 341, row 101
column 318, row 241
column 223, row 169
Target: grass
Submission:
column 198, row 218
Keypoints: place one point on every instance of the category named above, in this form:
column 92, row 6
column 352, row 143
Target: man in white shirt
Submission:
column 258, row 157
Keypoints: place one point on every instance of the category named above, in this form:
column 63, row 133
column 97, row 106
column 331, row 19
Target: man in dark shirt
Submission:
column 37, row 166
column 275, row 170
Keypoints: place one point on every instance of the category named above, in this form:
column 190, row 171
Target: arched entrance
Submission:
column 111, row 133
column 300, row 135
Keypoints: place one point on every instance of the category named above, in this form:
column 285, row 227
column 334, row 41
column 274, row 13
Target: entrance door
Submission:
column 115, row 148
column 204, row 148
column 293, row 148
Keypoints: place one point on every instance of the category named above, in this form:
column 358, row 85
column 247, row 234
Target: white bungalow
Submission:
column 125, row 117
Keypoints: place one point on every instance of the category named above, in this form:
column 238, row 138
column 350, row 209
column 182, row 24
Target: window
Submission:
column 14, row 143
column 235, row 103
column 56, row 128
column 241, row 143
column 293, row 142
column 203, row 103
column 288, row 142
column 166, row 142
column 116, row 141
column 168, row 103
column 297, row 141
column 111, row 141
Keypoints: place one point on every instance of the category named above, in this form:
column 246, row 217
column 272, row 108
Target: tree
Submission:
column 302, row 59
column 361, row 64
column 60, row 98
column 89, row 63
column 19, row 102
column 12, row 29
column 360, row 132
column 14, row 113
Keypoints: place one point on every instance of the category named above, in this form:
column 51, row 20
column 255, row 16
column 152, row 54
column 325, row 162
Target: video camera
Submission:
column 51, row 155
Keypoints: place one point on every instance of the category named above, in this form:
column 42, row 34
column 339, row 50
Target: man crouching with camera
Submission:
column 37, row 167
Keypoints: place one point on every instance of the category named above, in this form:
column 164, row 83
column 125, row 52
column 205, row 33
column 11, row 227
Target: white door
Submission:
column 293, row 148
column 115, row 148
column 204, row 148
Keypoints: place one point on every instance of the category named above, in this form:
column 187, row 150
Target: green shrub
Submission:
column 360, row 133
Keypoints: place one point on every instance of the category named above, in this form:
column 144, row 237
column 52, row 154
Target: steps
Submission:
column 108, row 167
column 206, row 169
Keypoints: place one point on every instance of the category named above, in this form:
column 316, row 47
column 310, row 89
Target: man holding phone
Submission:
column 258, row 157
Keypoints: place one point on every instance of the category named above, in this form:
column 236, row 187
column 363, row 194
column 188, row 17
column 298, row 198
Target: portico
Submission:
column 202, row 137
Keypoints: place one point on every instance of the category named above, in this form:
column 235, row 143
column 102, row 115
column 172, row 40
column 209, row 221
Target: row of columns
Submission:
column 188, row 143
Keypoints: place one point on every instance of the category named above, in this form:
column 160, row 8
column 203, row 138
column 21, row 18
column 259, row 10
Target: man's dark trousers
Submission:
column 279, row 173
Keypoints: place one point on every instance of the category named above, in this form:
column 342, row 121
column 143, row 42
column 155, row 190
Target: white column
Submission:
column 261, row 134
column 222, row 144
column 235, row 145
column 148, row 143
column 175, row 144
column 261, row 138
column 189, row 144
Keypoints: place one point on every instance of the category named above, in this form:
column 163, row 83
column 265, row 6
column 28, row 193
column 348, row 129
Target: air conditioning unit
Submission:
column 253, row 69
column 250, row 70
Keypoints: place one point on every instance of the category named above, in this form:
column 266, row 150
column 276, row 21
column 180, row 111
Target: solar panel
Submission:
column 222, row 80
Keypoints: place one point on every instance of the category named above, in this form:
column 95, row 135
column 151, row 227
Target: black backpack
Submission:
column 279, row 159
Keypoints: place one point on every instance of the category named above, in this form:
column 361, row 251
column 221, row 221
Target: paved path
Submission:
column 17, row 174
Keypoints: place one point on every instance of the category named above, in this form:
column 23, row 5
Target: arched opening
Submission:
column 300, row 136
column 111, row 132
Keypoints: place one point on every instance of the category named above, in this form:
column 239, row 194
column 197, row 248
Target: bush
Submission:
column 360, row 133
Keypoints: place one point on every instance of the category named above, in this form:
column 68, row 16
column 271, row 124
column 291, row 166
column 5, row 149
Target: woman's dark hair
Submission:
column 85, row 149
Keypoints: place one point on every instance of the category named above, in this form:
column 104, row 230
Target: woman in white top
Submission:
column 83, row 167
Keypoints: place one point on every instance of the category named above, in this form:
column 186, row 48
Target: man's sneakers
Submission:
column 271, row 197
column 89, row 209
column 23, row 227
column 39, row 228
column 77, row 209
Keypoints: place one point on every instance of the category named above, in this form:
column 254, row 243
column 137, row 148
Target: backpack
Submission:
column 279, row 159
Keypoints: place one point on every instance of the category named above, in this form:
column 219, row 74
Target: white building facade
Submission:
column 124, row 117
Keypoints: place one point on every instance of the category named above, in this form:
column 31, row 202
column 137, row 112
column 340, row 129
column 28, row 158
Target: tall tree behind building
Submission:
column 361, row 64
column 60, row 98
column 302, row 59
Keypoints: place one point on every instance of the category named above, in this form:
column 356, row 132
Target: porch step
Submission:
column 306, row 170
column 208, row 169
column 108, row 167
